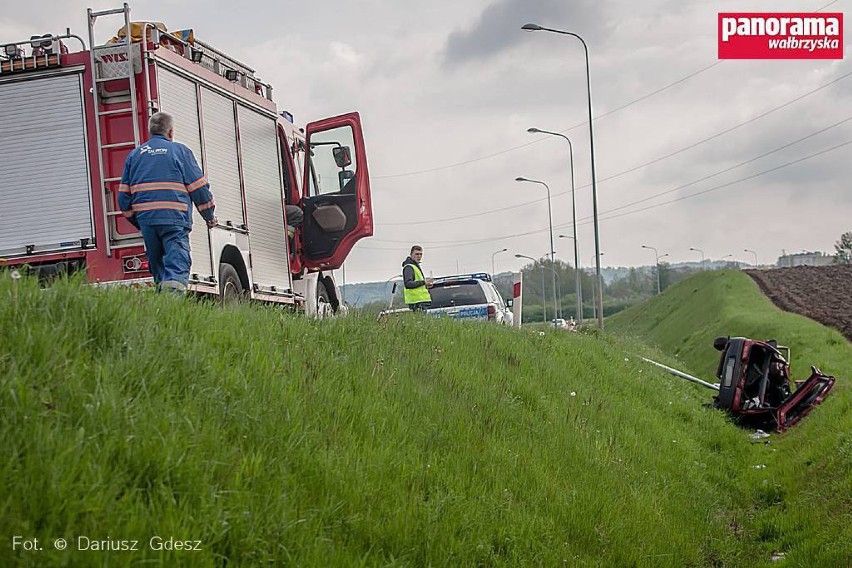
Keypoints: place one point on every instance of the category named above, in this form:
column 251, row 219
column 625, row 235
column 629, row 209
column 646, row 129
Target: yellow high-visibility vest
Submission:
column 419, row 294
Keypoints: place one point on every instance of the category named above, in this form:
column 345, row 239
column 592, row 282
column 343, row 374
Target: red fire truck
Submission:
column 69, row 118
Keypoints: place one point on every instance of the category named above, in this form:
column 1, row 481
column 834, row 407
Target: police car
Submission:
column 468, row 297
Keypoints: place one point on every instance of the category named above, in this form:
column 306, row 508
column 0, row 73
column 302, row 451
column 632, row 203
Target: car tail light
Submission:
column 492, row 311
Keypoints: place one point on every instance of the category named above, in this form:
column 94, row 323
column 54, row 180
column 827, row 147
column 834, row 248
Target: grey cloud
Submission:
column 445, row 83
column 809, row 129
column 843, row 86
column 498, row 28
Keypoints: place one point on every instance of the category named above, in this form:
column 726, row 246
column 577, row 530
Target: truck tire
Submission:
column 230, row 288
column 324, row 307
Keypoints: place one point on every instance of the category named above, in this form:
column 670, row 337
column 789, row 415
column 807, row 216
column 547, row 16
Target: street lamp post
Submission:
column 577, row 285
column 573, row 202
column 658, row 270
column 550, row 222
column 754, row 253
column 702, row 255
column 599, row 297
column 543, row 297
column 657, row 258
column 594, row 288
column 492, row 260
column 558, row 290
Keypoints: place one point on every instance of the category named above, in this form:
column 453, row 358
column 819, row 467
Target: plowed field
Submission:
column 821, row 293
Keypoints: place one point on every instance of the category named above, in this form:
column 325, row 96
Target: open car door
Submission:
column 808, row 394
column 336, row 191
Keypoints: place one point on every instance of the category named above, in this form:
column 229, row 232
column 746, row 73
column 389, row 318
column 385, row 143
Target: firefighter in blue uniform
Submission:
column 161, row 182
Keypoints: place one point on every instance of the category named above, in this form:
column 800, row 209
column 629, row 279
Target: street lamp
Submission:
column 657, row 258
column 577, row 285
column 543, row 297
column 492, row 260
column 573, row 206
column 599, row 299
column 702, row 255
column 754, row 253
column 550, row 221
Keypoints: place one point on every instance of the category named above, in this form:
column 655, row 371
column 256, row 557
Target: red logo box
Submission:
column 781, row 35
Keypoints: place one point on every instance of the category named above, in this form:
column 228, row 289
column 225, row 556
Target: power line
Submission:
column 633, row 169
column 827, row 5
column 581, row 124
column 729, row 184
column 722, row 133
column 578, row 125
column 587, row 220
column 726, row 170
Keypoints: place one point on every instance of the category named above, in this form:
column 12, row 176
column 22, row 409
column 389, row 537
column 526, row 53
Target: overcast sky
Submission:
column 447, row 90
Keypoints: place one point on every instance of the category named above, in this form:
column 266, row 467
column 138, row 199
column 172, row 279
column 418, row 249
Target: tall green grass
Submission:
column 808, row 509
column 277, row 440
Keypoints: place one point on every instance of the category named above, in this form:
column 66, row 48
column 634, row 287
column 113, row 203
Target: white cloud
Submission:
column 345, row 53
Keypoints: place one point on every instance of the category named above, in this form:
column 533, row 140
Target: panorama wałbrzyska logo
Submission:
column 780, row 36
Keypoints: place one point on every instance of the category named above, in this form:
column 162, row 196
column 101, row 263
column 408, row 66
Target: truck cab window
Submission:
column 333, row 166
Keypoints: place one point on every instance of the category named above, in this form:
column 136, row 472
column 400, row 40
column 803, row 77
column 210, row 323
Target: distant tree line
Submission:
column 636, row 286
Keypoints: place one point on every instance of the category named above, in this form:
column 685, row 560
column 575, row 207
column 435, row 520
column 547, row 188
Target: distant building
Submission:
column 804, row 259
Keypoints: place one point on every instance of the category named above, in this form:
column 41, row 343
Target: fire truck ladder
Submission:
column 113, row 62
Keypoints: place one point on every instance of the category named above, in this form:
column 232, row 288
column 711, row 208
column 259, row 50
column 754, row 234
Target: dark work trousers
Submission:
column 167, row 247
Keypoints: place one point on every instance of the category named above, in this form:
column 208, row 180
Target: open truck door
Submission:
column 335, row 192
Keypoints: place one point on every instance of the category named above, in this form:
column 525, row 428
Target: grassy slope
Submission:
column 810, row 514
column 346, row 442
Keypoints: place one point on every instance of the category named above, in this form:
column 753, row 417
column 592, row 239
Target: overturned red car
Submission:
column 754, row 383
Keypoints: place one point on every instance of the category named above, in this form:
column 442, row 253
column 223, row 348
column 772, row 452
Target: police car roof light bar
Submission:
column 475, row 276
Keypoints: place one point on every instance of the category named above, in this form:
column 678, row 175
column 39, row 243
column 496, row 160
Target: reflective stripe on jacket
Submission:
column 419, row 294
column 161, row 181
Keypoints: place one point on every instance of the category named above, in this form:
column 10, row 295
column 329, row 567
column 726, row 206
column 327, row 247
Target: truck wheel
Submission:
column 230, row 288
column 324, row 307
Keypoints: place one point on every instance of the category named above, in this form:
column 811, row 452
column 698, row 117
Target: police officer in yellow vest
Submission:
column 416, row 290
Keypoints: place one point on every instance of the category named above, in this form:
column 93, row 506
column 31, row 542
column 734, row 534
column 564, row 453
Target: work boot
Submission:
column 173, row 287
